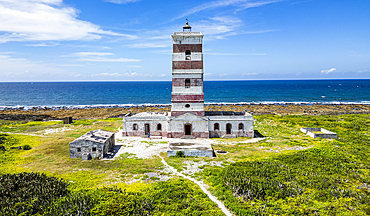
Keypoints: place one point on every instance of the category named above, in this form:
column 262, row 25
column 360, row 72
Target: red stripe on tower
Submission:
column 187, row 65
column 181, row 48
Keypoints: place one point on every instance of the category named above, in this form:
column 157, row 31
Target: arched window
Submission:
column 241, row 126
column 187, row 105
column 134, row 127
column 187, row 52
column 159, row 127
column 216, row 126
column 187, row 83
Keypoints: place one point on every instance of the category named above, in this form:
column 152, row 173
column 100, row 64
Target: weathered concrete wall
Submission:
column 194, row 56
column 181, row 38
column 199, row 127
column 92, row 146
column 178, row 113
column 192, row 153
column 181, row 48
column 140, row 121
column 187, row 73
column 247, row 122
column 187, row 65
column 191, row 98
column 239, row 133
column 180, row 82
column 187, row 99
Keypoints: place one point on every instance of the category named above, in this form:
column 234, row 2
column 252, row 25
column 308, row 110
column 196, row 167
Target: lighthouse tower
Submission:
column 187, row 73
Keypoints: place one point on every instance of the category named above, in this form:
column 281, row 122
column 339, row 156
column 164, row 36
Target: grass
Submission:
column 321, row 179
column 27, row 127
column 324, row 176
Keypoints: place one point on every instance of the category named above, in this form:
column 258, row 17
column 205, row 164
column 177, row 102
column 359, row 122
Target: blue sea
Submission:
column 80, row 94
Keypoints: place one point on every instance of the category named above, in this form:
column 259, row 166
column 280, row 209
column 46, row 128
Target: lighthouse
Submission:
column 187, row 73
column 187, row 118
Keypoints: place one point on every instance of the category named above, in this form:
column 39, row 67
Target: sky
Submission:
column 130, row 40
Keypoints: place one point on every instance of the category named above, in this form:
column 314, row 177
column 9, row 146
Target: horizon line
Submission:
column 171, row 80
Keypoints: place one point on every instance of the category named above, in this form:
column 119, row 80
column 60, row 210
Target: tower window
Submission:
column 94, row 149
column 187, row 55
column 134, row 127
column 187, row 83
column 159, row 127
column 216, row 127
column 78, row 149
column 187, row 105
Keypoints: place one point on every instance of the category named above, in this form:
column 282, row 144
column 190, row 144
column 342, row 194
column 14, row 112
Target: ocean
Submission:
column 80, row 94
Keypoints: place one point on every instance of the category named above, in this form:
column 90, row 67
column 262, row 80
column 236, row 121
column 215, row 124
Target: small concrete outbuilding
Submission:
column 93, row 144
column 319, row 132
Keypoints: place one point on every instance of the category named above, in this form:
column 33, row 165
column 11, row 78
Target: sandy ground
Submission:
column 144, row 148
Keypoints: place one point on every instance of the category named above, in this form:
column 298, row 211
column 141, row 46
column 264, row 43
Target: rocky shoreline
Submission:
column 53, row 113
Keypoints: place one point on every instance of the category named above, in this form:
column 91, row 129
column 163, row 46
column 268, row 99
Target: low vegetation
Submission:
column 286, row 173
column 331, row 178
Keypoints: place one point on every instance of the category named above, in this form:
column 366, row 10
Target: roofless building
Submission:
column 187, row 118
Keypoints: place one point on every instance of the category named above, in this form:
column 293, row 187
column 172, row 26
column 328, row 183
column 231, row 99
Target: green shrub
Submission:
column 26, row 147
column 29, row 193
column 75, row 204
column 330, row 178
column 259, row 180
column 180, row 154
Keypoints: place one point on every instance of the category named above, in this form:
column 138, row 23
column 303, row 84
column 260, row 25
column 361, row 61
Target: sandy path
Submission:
column 202, row 186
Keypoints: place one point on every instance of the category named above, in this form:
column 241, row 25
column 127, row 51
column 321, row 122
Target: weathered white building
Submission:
column 187, row 118
column 92, row 144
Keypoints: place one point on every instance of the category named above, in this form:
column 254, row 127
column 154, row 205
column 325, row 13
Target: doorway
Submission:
column 228, row 128
column 147, row 129
column 188, row 129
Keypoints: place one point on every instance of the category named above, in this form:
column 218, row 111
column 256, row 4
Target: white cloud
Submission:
column 240, row 4
column 148, row 45
column 128, row 74
column 218, row 25
column 83, row 54
column 69, row 65
column 221, row 54
column 224, row 74
column 162, row 75
column 256, row 54
column 43, row 45
column 45, row 20
column 328, row 71
column 249, row 4
column 110, row 74
column 249, row 74
column 20, row 69
column 99, row 57
column 121, row 1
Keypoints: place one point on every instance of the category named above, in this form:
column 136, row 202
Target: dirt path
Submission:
column 202, row 186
